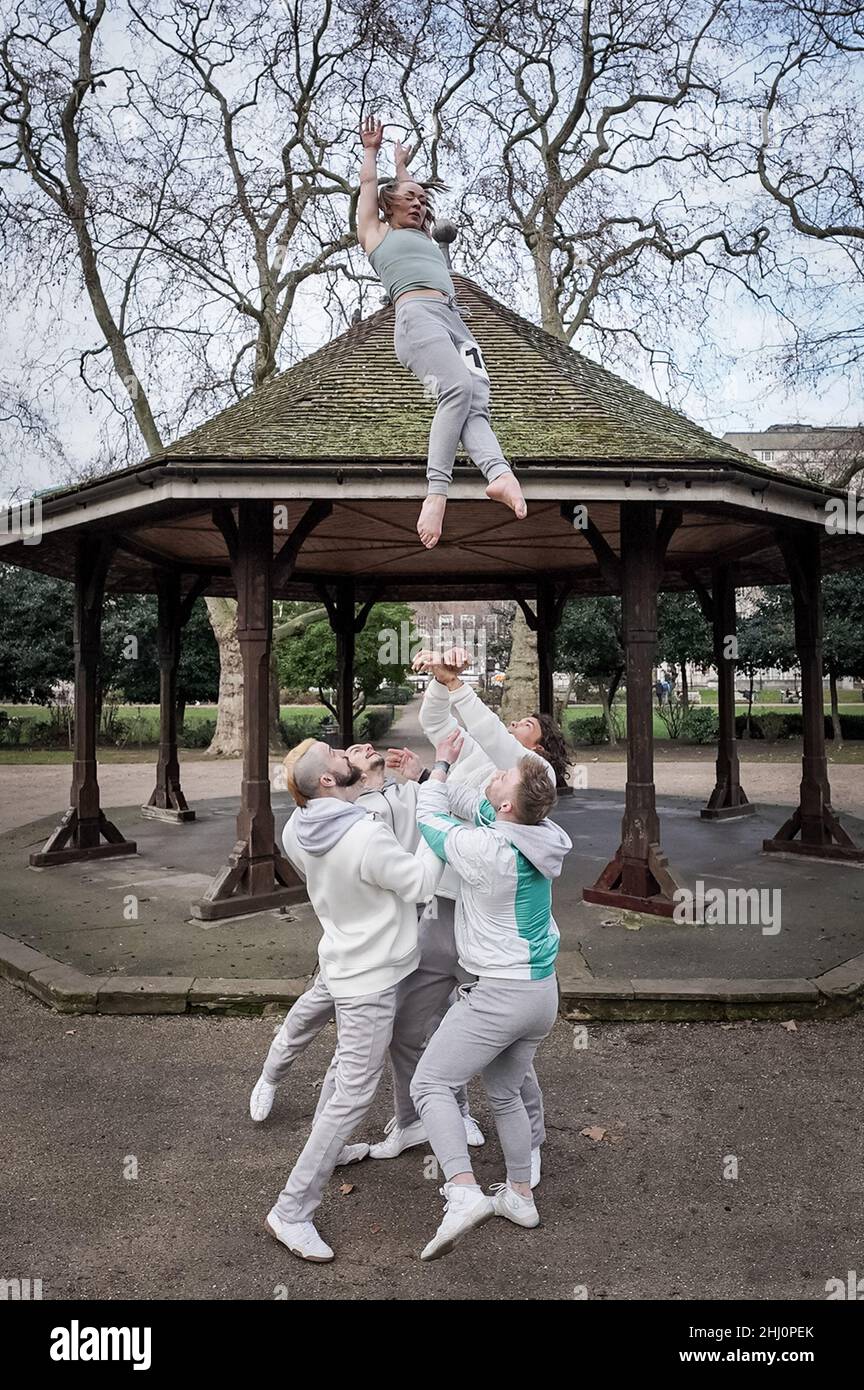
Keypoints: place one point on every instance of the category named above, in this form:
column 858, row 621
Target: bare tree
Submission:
column 808, row 155
column 194, row 161
column 596, row 157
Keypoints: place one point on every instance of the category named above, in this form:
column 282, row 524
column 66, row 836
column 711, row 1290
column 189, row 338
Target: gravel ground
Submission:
column 639, row 1211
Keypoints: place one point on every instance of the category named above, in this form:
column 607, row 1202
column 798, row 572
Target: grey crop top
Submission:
column 408, row 259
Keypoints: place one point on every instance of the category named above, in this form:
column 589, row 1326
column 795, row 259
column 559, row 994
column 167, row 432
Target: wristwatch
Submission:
column 440, row 765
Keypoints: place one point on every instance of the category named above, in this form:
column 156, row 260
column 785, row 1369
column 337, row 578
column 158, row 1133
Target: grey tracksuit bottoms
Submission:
column 363, row 1028
column 421, row 999
column 431, row 339
column 313, row 1010
column 494, row 1028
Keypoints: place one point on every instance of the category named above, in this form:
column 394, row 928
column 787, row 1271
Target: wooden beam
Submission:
column 286, row 556
column 223, row 518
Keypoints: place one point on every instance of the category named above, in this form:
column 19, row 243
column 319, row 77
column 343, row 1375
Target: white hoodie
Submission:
column 364, row 888
column 396, row 805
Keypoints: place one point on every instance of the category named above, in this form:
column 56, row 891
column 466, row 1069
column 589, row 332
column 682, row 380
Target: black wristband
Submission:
column 441, row 765
column 424, row 775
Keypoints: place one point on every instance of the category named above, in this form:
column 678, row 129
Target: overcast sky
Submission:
column 732, row 360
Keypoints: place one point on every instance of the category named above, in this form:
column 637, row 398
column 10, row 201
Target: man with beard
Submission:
column 364, row 888
column 393, row 803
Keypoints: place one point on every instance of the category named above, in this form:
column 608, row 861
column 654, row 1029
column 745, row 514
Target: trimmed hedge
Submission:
column 591, row 728
column 773, row 725
column 299, row 726
column 372, row 724
column 700, row 725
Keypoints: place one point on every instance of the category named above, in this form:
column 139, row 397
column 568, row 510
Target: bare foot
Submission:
column 431, row 519
column 506, row 489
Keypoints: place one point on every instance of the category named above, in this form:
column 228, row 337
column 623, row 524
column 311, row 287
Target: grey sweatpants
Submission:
column 303, row 1022
column 431, row 339
column 494, row 1028
column 363, row 1028
column 421, row 999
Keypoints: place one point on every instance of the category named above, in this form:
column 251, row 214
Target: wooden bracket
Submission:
column 286, row 557
column 224, row 518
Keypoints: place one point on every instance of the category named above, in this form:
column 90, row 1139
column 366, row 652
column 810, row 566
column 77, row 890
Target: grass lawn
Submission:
column 143, row 721
column 149, row 714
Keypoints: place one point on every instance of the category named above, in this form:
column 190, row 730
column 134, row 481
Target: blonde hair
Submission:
column 390, row 187
column 535, row 795
column 290, row 762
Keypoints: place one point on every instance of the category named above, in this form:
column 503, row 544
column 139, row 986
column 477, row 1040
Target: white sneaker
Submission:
column 398, row 1140
column 473, row 1132
column 518, row 1209
column 351, row 1153
column 535, row 1167
column 465, row 1207
column 261, row 1099
column 300, row 1237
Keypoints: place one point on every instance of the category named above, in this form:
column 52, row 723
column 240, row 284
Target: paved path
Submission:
column 644, row 1212
column 29, row 791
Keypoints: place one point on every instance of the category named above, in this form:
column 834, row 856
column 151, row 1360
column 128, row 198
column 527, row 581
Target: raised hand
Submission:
column 425, row 660
column 403, row 761
column 402, row 156
column 371, row 133
column 411, row 765
column 449, row 748
column 455, row 659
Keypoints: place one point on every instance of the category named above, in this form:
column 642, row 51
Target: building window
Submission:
column 767, row 455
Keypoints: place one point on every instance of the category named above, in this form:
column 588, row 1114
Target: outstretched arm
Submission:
column 481, row 722
column 368, row 218
column 436, row 719
column 465, row 848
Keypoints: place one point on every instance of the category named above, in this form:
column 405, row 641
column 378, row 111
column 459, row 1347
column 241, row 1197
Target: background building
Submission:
column 827, row 452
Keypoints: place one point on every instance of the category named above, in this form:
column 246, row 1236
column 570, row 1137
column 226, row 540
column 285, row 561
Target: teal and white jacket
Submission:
column 504, row 922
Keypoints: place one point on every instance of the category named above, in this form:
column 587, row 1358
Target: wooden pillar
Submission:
column 547, row 622
column 257, row 875
column 346, row 622
column 813, row 828
column 167, row 802
column 638, row 877
column 346, row 637
column 728, row 798
column 84, row 826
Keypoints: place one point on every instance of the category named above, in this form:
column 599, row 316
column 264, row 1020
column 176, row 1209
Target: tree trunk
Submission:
column 561, row 706
column 520, row 683
column 685, row 690
column 835, row 710
column 747, row 731
column 607, row 714
column 228, row 738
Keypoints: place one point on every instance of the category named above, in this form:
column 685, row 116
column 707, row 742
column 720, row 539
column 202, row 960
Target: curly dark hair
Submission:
column 553, row 747
column 388, row 187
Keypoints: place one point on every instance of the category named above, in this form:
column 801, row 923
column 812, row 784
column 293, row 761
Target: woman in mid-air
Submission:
column 430, row 337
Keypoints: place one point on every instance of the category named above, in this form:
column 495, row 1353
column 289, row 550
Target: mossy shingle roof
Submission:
column 353, row 400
